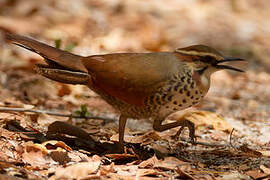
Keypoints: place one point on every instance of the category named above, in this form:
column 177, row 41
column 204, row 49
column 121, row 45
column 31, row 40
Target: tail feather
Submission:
column 58, row 56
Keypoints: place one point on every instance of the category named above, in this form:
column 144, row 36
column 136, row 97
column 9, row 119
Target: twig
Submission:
column 3, row 109
column 231, row 139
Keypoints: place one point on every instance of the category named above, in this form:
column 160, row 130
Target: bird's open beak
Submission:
column 228, row 59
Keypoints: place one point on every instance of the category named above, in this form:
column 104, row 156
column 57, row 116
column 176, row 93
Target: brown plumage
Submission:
column 138, row 85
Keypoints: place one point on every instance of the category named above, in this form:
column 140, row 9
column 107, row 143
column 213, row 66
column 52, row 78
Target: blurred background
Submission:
column 237, row 28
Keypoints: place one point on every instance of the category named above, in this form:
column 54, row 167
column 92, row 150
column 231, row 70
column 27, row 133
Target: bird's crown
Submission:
column 200, row 50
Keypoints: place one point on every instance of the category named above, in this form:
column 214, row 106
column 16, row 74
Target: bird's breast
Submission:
column 184, row 91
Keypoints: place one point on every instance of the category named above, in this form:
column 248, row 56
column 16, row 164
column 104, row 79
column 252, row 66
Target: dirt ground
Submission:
column 232, row 122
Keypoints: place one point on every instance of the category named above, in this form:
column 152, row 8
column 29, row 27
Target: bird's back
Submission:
column 130, row 77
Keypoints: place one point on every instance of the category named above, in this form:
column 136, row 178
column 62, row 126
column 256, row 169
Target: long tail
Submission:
column 62, row 66
column 63, row 58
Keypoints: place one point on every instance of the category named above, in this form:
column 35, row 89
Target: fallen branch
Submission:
column 5, row 109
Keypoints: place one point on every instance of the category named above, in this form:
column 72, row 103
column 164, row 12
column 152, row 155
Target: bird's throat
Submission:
column 202, row 81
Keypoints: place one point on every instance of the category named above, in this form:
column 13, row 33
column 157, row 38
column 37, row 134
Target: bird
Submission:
column 138, row 85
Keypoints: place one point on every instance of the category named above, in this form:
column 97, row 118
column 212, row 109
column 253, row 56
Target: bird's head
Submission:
column 206, row 60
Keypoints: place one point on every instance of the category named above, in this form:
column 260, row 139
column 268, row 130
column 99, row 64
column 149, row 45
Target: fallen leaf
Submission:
column 202, row 118
column 35, row 155
column 104, row 170
column 255, row 173
column 77, row 171
column 265, row 169
column 234, row 175
column 56, row 145
column 124, row 170
column 184, row 175
column 150, row 172
column 60, row 157
column 29, row 146
column 149, row 163
column 169, row 163
column 45, row 119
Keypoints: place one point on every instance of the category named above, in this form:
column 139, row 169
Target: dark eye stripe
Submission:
column 208, row 59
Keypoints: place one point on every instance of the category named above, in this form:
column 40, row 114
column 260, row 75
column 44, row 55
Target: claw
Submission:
column 191, row 127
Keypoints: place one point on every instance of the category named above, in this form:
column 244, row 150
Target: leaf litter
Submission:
column 40, row 146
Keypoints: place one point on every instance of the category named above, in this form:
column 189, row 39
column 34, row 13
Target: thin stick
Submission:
column 4, row 109
column 231, row 139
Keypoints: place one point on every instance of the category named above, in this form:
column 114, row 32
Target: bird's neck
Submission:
column 202, row 81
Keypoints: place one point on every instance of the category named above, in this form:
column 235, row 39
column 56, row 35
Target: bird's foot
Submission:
column 191, row 127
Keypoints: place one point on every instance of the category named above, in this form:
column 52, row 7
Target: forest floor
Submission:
column 232, row 121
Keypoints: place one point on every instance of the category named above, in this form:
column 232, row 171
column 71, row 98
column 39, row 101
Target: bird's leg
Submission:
column 157, row 126
column 122, row 125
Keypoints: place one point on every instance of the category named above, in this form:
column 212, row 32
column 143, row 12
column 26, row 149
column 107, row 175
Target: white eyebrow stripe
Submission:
column 196, row 53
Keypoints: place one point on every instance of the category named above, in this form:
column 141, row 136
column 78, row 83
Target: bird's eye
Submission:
column 209, row 59
column 201, row 71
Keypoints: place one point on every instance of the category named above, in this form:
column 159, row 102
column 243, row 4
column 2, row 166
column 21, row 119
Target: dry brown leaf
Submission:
column 255, row 174
column 7, row 134
column 56, row 145
column 30, row 146
column 60, row 157
column 41, row 154
column 184, row 175
column 150, row 172
column 106, row 169
column 169, row 163
column 45, row 120
column 265, row 169
column 149, row 163
column 10, row 116
column 35, row 155
column 77, row 156
column 234, row 175
column 58, row 151
column 202, row 118
column 124, row 170
column 77, row 171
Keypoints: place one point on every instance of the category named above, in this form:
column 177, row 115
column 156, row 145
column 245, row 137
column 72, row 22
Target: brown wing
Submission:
column 130, row 77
